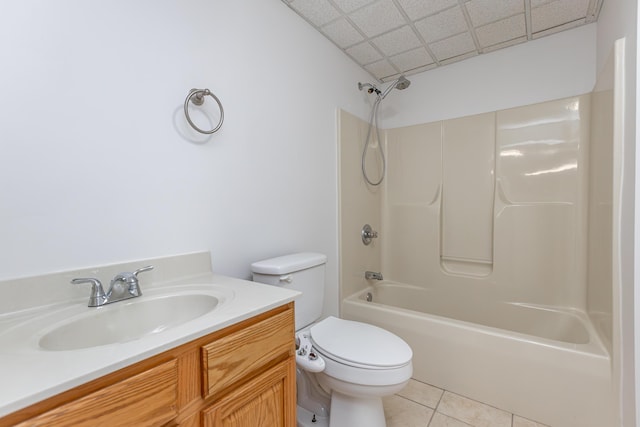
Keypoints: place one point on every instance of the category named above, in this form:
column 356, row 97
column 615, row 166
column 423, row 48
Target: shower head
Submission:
column 400, row 83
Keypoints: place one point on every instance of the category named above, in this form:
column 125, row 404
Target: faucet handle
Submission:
column 97, row 291
column 142, row 270
column 368, row 234
column 131, row 279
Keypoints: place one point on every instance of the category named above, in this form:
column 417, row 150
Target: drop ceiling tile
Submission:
column 364, row 53
column 559, row 28
column 484, row 11
column 416, row 9
column 319, row 12
column 505, row 44
column 378, row 18
column 501, row 31
column 412, row 59
column 459, row 58
column 442, row 25
column 381, row 69
column 555, row 13
column 453, row 46
column 349, row 6
column 342, row 33
column 397, row 41
column 386, row 35
column 538, row 3
column 421, row 69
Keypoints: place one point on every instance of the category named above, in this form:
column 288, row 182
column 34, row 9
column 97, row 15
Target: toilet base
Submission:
column 349, row 411
column 305, row 419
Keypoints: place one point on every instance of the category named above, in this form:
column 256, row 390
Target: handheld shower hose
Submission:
column 401, row 83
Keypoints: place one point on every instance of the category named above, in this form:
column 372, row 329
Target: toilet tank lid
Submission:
column 288, row 263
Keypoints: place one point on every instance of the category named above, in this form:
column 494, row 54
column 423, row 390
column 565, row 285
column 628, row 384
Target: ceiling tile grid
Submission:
column 393, row 37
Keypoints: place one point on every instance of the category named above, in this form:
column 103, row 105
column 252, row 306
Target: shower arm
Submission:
column 386, row 91
column 390, row 88
column 371, row 87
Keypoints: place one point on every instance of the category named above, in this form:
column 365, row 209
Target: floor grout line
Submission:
column 415, row 401
column 433, row 414
column 482, row 403
column 440, row 399
column 435, row 410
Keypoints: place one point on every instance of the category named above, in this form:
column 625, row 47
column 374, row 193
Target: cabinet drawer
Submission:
column 233, row 357
column 146, row 399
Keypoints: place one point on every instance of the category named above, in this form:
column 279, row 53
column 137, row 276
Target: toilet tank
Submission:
column 303, row 272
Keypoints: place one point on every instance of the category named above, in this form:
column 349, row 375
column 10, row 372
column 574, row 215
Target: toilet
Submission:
column 344, row 368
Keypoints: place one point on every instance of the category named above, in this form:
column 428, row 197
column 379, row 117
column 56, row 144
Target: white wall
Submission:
column 98, row 166
column 619, row 18
column 553, row 67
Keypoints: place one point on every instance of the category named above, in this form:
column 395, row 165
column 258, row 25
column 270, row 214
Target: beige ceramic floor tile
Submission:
column 523, row 422
column 441, row 420
column 401, row 412
column 422, row 393
column 471, row 412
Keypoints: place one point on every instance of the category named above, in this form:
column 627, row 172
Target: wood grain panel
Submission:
column 146, row 399
column 192, row 421
column 260, row 403
column 233, row 357
column 189, row 377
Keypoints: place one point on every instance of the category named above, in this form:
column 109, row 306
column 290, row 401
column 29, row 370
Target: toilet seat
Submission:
column 359, row 345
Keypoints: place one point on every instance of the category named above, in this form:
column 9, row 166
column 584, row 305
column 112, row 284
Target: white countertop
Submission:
column 30, row 374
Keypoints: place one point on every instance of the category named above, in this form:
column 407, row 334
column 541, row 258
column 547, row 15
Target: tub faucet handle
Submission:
column 368, row 234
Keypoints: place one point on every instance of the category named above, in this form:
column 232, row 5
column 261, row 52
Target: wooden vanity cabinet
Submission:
column 145, row 399
column 240, row 376
column 259, row 403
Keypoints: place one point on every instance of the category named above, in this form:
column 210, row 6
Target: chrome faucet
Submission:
column 371, row 275
column 116, row 292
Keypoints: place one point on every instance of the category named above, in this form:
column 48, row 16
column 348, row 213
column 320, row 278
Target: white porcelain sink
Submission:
column 126, row 321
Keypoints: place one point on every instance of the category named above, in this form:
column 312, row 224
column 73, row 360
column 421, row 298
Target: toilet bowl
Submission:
column 362, row 364
column 344, row 367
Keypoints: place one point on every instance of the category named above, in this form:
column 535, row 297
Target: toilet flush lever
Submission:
column 286, row 279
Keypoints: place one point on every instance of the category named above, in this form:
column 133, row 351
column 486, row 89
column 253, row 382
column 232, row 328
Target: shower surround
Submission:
column 490, row 274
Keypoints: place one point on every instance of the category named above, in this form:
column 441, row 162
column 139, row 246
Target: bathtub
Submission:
column 541, row 363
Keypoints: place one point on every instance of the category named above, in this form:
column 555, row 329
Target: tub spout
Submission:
column 369, row 275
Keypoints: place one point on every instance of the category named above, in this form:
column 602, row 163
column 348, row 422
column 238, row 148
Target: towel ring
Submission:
column 199, row 100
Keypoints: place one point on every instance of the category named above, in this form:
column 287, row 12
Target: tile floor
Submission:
column 422, row 405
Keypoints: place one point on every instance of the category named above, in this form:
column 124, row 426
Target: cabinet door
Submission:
column 266, row 401
column 146, row 399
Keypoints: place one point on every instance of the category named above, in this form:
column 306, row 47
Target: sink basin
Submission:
column 122, row 322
